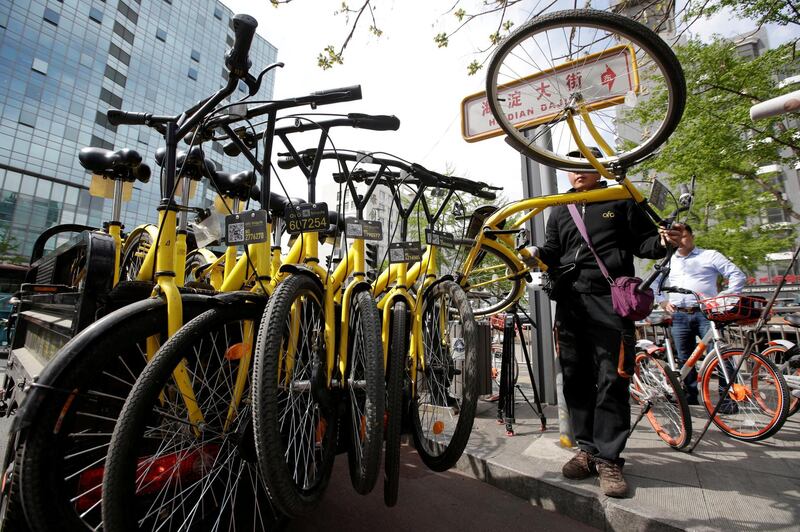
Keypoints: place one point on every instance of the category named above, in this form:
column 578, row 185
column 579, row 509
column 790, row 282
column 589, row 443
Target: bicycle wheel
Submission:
column 366, row 391
column 195, row 259
column 395, row 373
column 613, row 67
column 294, row 410
column 778, row 355
column 656, row 388
column 134, row 251
column 11, row 515
column 492, row 284
column 170, row 469
column 758, row 401
column 63, row 452
column 445, row 387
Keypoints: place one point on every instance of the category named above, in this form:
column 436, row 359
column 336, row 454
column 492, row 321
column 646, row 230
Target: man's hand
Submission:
column 671, row 236
column 668, row 306
column 531, row 260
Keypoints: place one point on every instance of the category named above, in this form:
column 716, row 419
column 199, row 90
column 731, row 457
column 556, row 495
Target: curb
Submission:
column 550, row 492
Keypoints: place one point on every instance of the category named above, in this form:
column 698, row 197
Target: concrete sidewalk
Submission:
column 724, row 484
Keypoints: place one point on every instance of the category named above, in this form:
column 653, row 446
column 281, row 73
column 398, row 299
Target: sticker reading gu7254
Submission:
column 248, row 227
column 307, row 218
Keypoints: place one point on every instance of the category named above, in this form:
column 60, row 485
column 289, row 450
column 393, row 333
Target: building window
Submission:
column 217, row 147
column 115, row 76
column 126, row 34
column 27, row 118
column 168, row 1
column 218, row 13
column 123, row 8
column 142, row 136
column 111, row 99
column 193, row 73
column 195, row 55
column 242, row 86
column 229, row 40
column 39, row 66
column 97, row 142
column 51, row 16
column 102, row 119
column 117, row 53
column 96, row 15
column 161, row 35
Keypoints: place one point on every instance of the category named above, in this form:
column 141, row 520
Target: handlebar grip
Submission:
column 485, row 194
column 237, row 60
column 375, row 122
column 117, row 117
column 343, row 94
column 776, row 106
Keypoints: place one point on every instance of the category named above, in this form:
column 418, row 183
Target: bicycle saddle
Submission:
column 191, row 163
column 124, row 164
column 793, row 319
column 662, row 319
column 238, row 185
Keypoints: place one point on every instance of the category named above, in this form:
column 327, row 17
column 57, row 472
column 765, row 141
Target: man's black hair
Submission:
column 689, row 228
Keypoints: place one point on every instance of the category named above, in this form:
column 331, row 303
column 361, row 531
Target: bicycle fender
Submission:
column 783, row 343
column 440, row 280
column 73, row 349
column 238, row 297
column 299, row 269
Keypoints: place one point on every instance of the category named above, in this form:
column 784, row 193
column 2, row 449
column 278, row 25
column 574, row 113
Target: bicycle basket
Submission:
column 732, row 308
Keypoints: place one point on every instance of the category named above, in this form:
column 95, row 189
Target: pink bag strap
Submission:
column 573, row 211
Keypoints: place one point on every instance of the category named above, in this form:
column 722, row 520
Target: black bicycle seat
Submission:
column 123, row 165
column 793, row 319
column 191, row 163
column 238, row 185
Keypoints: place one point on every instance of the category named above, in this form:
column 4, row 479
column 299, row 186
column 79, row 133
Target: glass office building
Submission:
column 63, row 64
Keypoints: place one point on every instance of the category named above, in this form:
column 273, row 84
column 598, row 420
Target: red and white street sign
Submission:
column 603, row 79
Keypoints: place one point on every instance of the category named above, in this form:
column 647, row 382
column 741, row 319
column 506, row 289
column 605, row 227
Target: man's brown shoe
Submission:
column 611, row 480
column 579, row 467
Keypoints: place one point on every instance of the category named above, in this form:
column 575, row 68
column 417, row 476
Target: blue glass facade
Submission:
column 64, row 63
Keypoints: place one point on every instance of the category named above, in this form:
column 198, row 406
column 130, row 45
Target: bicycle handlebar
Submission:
column 117, row 117
column 237, row 60
column 356, row 120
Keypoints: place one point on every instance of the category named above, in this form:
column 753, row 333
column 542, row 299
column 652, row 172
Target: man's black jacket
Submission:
column 618, row 230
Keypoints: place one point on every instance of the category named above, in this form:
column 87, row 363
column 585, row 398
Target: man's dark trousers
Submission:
column 596, row 351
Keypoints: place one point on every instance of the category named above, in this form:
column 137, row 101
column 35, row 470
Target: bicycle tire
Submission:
column 505, row 293
column 366, row 392
column 276, row 390
column 647, row 47
column 443, row 407
column 64, row 448
column 133, row 252
column 194, row 259
column 757, row 372
column 777, row 355
column 12, row 518
column 673, row 423
column 395, row 374
column 158, row 467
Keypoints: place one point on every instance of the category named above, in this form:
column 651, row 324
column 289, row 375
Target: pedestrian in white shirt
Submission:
column 699, row 270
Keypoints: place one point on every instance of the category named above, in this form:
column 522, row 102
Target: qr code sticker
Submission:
column 236, row 232
column 397, row 255
column 354, row 230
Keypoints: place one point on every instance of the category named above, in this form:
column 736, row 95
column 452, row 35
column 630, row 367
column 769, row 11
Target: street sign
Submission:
column 603, row 79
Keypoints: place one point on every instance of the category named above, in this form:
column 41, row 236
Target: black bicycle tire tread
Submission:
column 509, row 298
column 37, row 448
column 286, row 497
column 794, row 402
column 398, row 353
column 683, row 404
column 14, row 519
column 129, row 247
column 117, row 508
column 365, row 477
column 782, row 390
column 659, row 49
column 466, row 416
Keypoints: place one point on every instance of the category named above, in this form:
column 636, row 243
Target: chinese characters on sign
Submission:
column 601, row 80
